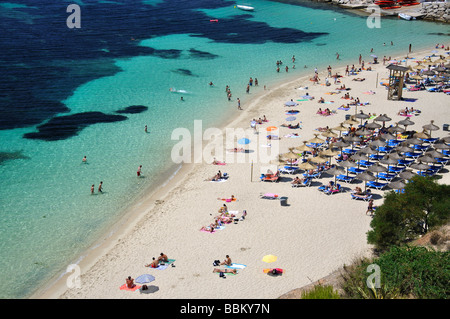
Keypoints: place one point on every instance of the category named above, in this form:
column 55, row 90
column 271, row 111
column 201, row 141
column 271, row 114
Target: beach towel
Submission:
column 343, row 108
column 303, row 100
column 207, row 231
column 292, row 136
column 236, row 266
column 228, row 200
column 329, row 102
column 270, row 270
column 220, row 163
column 220, row 180
column 124, row 287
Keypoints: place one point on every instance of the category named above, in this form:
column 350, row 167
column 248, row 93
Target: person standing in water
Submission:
column 139, row 170
column 100, row 189
column 145, row 129
column 92, row 189
column 84, row 159
column 239, row 104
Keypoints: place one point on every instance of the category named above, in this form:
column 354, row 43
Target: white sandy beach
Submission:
column 312, row 236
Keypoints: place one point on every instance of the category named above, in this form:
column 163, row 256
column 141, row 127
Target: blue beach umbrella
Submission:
column 290, row 103
column 243, row 141
column 291, row 118
column 143, row 279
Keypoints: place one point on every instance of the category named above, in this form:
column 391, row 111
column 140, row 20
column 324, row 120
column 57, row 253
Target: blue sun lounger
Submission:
column 376, row 185
column 345, row 178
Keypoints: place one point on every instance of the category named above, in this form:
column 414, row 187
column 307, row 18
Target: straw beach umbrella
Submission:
column 329, row 133
column 407, row 174
column 414, row 141
column 363, row 131
column 435, row 154
column 377, row 168
column 316, row 140
column 388, row 161
column 431, row 127
column 362, row 116
column 382, row 118
column 441, row 146
column 304, row 147
column 341, row 128
column 427, row 159
column 396, row 129
column 397, row 184
column 420, row 166
column 350, row 122
column 329, row 153
column 290, row 157
column 422, row 134
column 347, row 164
column 406, row 122
column 318, row 160
column 306, row 166
column 365, row 177
column 336, row 171
column 373, row 125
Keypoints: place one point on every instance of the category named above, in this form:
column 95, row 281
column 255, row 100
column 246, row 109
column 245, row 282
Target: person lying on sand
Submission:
column 209, row 228
column 236, row 150
column 359, row 79
column 290, row 125
column 298, row 180
column 227, row 271
column 216, row 162
column 322, row 129
column 154, row 263
column 214, row 178
column 357, row 191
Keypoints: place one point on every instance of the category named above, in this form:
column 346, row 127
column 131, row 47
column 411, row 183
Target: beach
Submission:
column 312, row 236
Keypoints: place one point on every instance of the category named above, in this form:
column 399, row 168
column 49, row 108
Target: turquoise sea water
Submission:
column 48, row 216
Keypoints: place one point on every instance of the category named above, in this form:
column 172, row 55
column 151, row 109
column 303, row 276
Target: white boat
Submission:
column 245, row 8
column 405, row 16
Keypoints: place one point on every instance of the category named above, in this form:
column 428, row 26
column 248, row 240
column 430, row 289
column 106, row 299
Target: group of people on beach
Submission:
column 157, row 261
column 224, row 217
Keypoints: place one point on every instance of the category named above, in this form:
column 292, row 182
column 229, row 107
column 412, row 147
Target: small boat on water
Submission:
column 245, row 8
column 405, row 16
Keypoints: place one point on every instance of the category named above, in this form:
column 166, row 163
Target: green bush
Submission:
column 402, row 217
column 321, row 292
column 405, row 272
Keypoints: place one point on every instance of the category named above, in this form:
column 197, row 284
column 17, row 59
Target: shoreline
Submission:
column 147, row 209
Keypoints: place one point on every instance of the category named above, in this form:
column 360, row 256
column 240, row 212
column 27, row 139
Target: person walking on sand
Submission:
column 139, row 170
column 370, row 208
column 239, row 104
column 100, row 187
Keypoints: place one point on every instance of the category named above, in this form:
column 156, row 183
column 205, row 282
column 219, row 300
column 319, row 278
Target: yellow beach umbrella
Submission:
column 269, row 258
